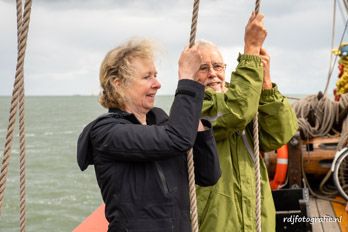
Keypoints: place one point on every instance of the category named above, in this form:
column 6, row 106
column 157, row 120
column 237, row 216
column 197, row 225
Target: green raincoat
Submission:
column 229, row 206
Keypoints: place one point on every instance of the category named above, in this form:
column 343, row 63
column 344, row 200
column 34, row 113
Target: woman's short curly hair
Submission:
column 117, row 66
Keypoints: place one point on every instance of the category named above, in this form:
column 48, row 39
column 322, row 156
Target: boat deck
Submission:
column 318, row 208
column 326, row 211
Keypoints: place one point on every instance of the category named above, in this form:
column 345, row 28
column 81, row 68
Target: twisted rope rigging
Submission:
column 257, row 6
column 190, row 164
column 256, row 156
column 194, row 22
column 192, row 191
column 257, row 171
column 316, row 117
column 17, row 99
column 312, row 107
column 323, row 111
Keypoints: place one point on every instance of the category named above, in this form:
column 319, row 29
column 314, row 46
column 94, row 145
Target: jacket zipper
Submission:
column 162, row 178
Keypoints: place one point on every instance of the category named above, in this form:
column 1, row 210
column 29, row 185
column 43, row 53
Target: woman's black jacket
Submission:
column 142, row 170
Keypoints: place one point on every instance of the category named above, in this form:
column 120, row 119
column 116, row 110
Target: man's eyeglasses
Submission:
column 218, row 67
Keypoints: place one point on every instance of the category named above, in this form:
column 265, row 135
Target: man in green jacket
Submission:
column 229, row 206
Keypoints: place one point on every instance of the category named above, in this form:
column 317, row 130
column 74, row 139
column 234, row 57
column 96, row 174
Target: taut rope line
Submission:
column 17, row 98
column 257, row 6
column 257, row 157
column 22, row 153
column 326, row 114
column 190, row 164
column 257, row 171
column 332, row 47
column 194, row 22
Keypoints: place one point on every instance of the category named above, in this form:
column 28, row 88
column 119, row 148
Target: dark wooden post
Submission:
column 295, row 162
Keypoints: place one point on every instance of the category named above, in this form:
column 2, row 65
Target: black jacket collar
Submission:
column 154, row 116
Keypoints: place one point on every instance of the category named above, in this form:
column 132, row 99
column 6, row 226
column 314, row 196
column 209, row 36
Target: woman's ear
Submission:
column 116, row 82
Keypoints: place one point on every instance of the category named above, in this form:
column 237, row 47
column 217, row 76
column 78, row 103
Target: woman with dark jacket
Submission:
column 138, row 152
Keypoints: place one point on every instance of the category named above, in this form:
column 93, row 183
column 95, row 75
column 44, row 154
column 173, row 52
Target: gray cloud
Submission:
column 68, row 39
column 149, row 5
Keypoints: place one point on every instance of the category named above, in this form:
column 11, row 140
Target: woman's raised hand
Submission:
column 189, row 63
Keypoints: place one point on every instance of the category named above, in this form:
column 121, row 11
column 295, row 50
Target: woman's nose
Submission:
column 156, row 84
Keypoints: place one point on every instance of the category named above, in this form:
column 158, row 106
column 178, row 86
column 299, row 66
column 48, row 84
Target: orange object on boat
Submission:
column 281, row 168
column 96, row 222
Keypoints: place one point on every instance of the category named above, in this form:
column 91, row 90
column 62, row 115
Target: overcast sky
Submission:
column 69, row 38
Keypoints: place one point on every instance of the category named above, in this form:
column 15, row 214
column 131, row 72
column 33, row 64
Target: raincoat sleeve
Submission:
column 277, row 120
column 232, row 111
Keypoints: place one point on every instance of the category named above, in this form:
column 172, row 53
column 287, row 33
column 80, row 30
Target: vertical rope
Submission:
column 257, row 155
column 257, row 6
column 22, row 150
column 332, row 45
column 192, row 191
column 257, row 171
column 190, row 164
column 17, row 98
column 194, row 22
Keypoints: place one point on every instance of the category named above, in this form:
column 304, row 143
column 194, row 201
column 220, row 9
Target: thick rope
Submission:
column 17, row 97
column 324, row 111
column 257, row 172
column 22, row 153
column 190, row 164
column 345, row 3
column 194, row 22
column 257, row 6
column 257, row 158
column 192, row 191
